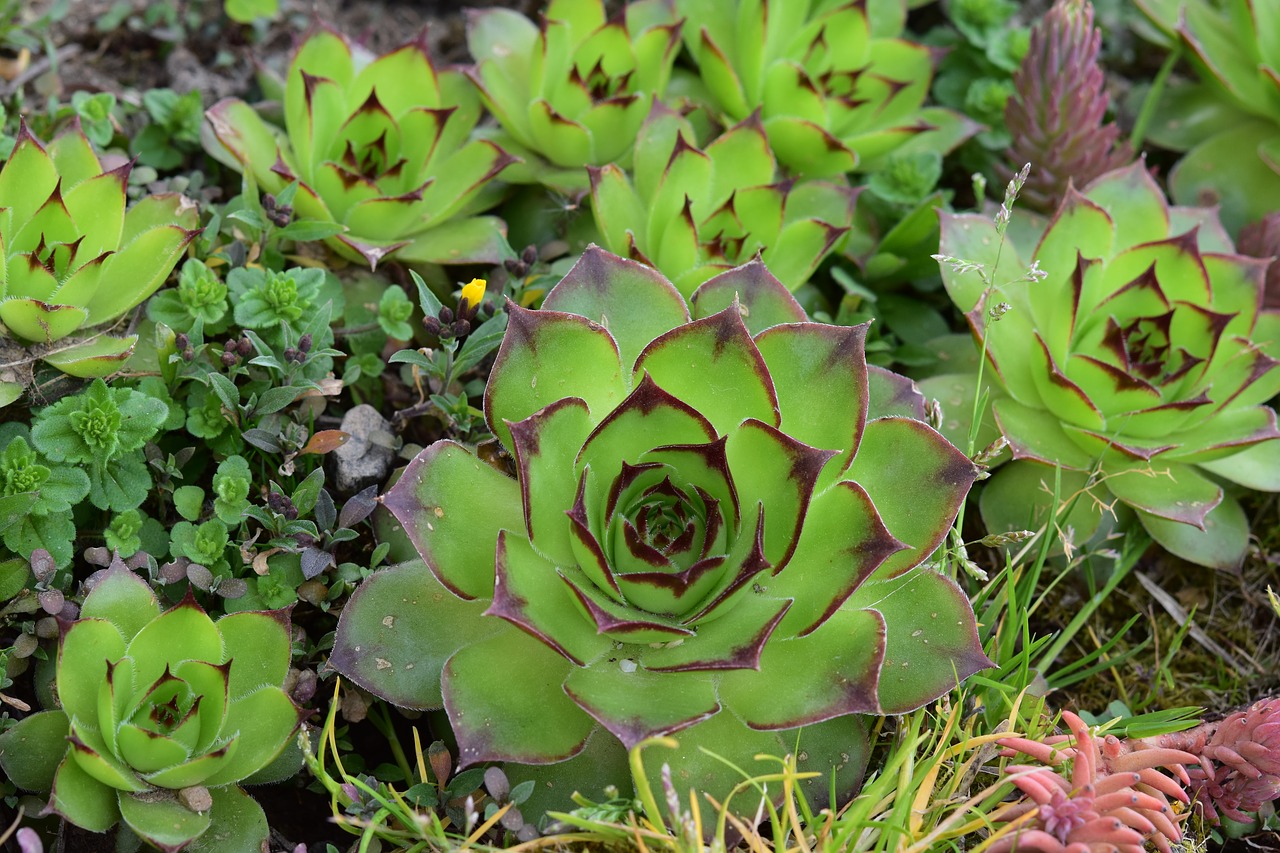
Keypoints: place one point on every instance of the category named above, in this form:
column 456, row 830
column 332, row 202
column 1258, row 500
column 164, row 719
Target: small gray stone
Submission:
column 366, row 458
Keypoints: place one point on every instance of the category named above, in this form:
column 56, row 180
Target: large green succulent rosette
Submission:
column 72, row 257
column 693, row 212
column 161, row 716
column 837, row 88
column 381, row 146
column 1143, row 358
column 573, row 91
column 714, row 529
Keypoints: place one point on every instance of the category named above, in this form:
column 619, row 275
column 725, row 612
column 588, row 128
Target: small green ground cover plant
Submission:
column 589, row 427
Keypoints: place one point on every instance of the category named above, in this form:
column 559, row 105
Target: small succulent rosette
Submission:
column 73, row 258
column 837, row 88
column 574, row 90
column 381, row 146
column 1140, row 365
column 161, row 716
column 1233, row 144
column 715, row 528
column 694, row 212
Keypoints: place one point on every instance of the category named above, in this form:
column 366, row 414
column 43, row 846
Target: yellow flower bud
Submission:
column 472, row 294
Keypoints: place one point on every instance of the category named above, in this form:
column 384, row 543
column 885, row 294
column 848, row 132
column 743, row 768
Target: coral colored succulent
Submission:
column 1233, row 140
column 573, row 91
column 1055, row 117
column 1143, row 355
column 1115, row 805
column 693, row 212
column 379, row 146
column 74, row 258
column 836, row 88
column 161, row 716
column 714, row 530
column 1239, row 760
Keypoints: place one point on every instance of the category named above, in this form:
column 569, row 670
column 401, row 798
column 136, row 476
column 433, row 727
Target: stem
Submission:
column 1152, row 100
column 640, row 779
column 382, row 722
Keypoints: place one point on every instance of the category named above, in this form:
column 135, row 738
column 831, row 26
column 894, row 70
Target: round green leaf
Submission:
column 31, row 750
column 164, row 823
column 506, row 702
column 398, row 629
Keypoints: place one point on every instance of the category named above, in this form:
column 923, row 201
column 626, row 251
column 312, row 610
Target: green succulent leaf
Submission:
column 720, row 344
column 84, row 651
column 634, row 313
column 923, row 611
column 165, row 823
column 799, row 695
column 514, row 712
column 552, row 346
column 900, row 450
column 389, row 643
column 31, row 750
column 618, row 694
column 82, row 799
column 236, row 822
column 1222, row 543
column 762, row 300
column 452, row 506
column 122, row 599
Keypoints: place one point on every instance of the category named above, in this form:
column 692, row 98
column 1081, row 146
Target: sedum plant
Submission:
column 45, row 520
column 694, row 542
column 1140, row 365
column 1055, row 117
column 380, row 147
column 836, row 87
column 691, row 213
column 1109, row 801
column 160, row 716
column 1238, row 772
column 103, row 430
column 1229, row 124
column 74, row 258
column 574, row 90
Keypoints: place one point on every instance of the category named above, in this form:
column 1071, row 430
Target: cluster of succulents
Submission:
column 1140, row 366
column 380, row 147
column 836, row 86
column 1232, row 146
column 693, row 212
column 714, row 552
column 661, row 518
column 574, row 91
column 1117, row 802
column 1238, row 768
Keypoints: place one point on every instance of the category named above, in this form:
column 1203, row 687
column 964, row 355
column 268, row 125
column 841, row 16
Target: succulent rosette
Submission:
column 714, row 529
column 74, row 258
column 1229, row 123
column 694, row 212
column 380, row 146
column 1143, row 356
column 574, row 90
column 837, row 89
column 161, row 715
